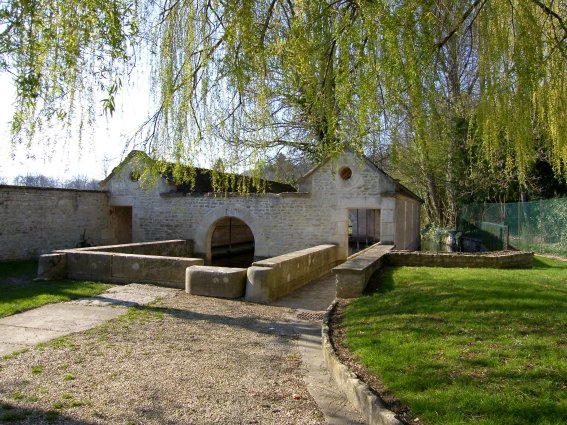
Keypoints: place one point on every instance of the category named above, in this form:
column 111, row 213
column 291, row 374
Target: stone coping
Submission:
column 162, row 248
column 362, row 260
column 356, row 391
column 52, row 189
column 490, row 259
column 234, row 195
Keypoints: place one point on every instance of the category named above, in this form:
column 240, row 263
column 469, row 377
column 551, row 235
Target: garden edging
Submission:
column 356, row 391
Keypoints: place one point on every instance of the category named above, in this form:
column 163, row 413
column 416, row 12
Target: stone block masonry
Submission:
column 220, row 282
column 122, row 263
column 270, row 279
column 494, row 260
column 353, row 275
column 35, row 221
column 171, row 248
column 38, row 221
column 317, row 214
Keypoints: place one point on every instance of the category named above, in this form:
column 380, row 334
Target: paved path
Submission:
column 25, row 330
column 311, row 302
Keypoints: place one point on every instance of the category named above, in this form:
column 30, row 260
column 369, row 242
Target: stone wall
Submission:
column 37, row 221
column 276, row 277
column 495, row 260
column 34, row 221
column 353, row 275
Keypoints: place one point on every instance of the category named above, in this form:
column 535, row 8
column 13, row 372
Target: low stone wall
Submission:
column 494, row 260
column 220, row 282
column 270, row 279
column 357, row 392
column 352, row 276
column 108, row 264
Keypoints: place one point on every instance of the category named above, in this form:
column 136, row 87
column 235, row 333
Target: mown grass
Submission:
column 468, row 346
column 19, row 291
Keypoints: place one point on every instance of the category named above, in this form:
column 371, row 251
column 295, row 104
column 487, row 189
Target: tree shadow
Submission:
column 543, row 263
column 260, row 324
column 380, row 281
column 10, row 413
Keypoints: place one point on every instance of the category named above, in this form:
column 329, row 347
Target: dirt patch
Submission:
column 183, row 360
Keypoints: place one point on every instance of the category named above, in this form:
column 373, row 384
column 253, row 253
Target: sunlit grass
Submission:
column 19, row 291
column 462, row 346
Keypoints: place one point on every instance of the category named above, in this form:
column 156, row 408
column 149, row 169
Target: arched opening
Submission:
column 232, row 243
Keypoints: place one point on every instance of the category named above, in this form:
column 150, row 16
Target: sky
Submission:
column 102, row 149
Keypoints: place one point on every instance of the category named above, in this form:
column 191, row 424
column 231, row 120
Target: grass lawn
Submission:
column 19, row 292
column 468, row 346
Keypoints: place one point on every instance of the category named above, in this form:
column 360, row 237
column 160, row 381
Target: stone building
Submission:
column 346, row 201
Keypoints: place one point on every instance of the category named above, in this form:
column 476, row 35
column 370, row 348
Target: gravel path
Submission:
column 183, row 360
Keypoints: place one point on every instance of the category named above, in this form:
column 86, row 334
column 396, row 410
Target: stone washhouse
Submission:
column 346, row 201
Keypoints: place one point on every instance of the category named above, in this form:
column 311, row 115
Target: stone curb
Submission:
column 356, row 391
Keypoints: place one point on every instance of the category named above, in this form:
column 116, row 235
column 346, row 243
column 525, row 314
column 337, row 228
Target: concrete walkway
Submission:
column 25, row 330
column 311, row 302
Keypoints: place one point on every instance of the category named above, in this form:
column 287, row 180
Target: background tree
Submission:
column 39, row 180
column 36, row 180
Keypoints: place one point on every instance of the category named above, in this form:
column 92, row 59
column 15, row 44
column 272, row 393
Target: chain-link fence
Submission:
column 539, row 226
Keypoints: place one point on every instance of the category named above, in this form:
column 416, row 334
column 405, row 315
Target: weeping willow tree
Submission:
column 62, row 55
column 454, row 88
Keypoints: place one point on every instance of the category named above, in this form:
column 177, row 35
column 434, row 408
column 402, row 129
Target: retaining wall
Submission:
column 352, row 276
column 494, row 260
column 270, row 279
column 35, row 221
column 220, row 282
column 356, row 391
column 108, row 264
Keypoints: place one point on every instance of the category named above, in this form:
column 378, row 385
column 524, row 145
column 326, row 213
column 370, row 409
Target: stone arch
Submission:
column 232, row 243
column 204, row 233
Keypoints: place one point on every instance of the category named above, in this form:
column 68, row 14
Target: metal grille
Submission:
column 313, row 316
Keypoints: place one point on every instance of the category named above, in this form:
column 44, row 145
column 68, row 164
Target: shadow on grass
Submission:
column 436, row 290
column 472, row 345
column 11, row 413
column 20, row 292
column 545, row 263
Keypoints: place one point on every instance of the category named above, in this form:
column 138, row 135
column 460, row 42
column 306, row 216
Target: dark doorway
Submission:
column 363, row 229
column 232, row 243
column 121, row 219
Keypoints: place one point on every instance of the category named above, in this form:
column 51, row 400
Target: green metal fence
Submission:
column 539, row 226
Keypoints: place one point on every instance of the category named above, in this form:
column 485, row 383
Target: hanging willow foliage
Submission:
column 238, row 79
column 316, row 76
column 60, row 53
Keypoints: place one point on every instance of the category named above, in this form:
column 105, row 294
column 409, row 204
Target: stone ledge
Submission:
column 356, row 391
column 495, row 260
column 220, row 282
